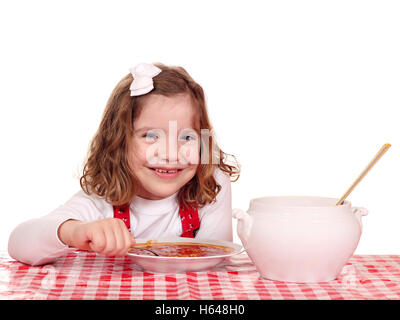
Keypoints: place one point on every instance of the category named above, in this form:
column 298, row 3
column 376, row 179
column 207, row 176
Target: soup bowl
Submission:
column 299, row 239
column 177, row 264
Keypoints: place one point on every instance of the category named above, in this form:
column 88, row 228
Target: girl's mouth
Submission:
column 166, row 173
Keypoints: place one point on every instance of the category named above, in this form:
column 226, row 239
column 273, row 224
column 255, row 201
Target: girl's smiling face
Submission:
column 165, row 145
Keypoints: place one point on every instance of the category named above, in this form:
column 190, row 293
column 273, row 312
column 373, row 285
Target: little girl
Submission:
column 151, row 172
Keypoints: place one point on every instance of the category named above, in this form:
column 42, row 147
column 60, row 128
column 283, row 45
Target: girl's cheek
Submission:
column 154, row 154
column 189, row 153
column 138, row 156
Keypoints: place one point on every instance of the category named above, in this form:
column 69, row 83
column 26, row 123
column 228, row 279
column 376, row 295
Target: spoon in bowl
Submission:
column 374, row 160
column 146, row 249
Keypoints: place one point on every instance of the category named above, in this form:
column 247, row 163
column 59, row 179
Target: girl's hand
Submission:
column 107, row 236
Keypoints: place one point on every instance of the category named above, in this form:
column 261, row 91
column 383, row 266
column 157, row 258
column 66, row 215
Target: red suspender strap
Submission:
column 122, row 212
column 189, row 218
column 190, row 221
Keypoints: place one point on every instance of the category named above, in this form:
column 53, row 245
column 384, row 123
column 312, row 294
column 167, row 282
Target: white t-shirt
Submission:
column 36, row 241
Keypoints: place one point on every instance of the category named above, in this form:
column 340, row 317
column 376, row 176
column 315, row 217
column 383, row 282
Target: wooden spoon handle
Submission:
column 374, row 160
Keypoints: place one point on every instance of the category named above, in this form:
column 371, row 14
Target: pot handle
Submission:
column 239, row 213
column 359, row 213
column 244, row 225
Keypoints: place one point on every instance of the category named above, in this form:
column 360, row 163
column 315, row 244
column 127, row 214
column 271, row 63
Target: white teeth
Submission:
column 165, row 171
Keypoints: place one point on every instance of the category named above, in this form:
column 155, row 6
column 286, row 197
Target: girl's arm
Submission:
column 37, row 241
column 216, row 218
column 108, row 236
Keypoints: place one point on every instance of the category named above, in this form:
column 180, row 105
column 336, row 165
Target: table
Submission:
column 91, row 276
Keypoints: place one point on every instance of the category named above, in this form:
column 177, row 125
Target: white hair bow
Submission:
column 143, row 78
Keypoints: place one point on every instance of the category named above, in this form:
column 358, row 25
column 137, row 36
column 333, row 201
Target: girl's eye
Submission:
column 150, row 136
column 188, row 138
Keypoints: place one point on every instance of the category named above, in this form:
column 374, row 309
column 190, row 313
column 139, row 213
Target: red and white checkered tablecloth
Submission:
column 87, row 275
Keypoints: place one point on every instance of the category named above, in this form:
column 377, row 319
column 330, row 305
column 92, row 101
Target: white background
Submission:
column 304, row 93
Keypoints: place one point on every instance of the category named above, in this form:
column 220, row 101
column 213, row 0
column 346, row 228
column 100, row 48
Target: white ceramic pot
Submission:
column 299, row 239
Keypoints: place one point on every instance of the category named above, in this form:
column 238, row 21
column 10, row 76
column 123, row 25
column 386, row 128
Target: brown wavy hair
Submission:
column 106, row 170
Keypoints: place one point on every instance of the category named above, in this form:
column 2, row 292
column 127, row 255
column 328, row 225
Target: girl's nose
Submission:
column 168, row 151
